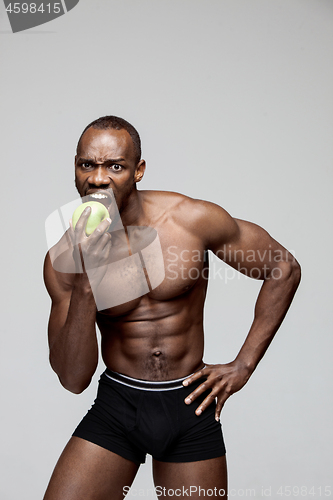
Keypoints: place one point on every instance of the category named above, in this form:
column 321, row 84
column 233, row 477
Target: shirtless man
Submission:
column 157, row 395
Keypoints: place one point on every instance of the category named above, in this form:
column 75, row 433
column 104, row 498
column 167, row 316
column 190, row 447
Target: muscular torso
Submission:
column 159, row 335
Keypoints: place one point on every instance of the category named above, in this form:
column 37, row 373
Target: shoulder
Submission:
column 209, row 221
column 212, row 223
column 162, row 200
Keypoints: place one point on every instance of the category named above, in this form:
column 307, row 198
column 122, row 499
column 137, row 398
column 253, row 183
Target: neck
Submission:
column 132, row 212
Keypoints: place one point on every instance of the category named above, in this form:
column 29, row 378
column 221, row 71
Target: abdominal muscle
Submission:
column 156, row 340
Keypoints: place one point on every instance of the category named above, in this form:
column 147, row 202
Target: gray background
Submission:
column 233, row 100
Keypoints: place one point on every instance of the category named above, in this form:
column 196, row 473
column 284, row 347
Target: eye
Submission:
column 116, row 167
column 86, row 165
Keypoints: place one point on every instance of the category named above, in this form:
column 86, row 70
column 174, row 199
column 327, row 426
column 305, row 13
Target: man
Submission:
column 157, row 395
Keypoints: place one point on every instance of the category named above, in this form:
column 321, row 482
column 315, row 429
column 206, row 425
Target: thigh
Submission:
column 191, row 479
column 90, row 472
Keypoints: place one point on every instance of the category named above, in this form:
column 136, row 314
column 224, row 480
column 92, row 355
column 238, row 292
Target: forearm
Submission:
column 73, row 348
column 271, row 307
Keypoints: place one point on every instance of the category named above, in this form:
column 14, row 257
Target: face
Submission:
column 106, row 159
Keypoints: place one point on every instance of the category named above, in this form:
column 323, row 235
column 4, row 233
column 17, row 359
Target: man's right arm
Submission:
column 71, row 331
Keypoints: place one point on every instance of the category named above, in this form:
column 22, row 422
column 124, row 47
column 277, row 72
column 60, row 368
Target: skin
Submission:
column 158, row 336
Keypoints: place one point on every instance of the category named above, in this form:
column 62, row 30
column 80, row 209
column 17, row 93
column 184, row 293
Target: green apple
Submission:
column 98, row 213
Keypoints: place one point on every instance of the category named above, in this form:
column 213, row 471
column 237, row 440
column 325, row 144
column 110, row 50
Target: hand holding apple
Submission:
column 97, row 214
column 91, row 248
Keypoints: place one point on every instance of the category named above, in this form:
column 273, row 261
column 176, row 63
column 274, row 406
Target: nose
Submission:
column 99, row 177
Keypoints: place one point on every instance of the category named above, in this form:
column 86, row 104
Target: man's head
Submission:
column 108, row 157
column 116, row 123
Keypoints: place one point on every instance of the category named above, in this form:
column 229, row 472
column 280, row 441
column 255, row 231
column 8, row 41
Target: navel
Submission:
column 157, row 353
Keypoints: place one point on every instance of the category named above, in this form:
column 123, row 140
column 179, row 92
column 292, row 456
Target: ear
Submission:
column 140, row 170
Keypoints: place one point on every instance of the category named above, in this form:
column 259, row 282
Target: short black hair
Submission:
column 105, row 122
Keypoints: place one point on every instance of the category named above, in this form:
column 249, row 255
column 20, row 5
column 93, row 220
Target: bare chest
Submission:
column 156, row 264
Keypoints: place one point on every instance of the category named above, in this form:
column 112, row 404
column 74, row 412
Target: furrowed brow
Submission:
column 108, row 160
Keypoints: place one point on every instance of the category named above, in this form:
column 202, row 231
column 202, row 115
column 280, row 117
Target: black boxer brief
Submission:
column 133, row 417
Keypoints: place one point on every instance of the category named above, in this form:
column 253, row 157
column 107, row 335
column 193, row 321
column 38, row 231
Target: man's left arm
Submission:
column 249, row 249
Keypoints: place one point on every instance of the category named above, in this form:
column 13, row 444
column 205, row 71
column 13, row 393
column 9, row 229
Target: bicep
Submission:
column 245, row 246
column 252, row 251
